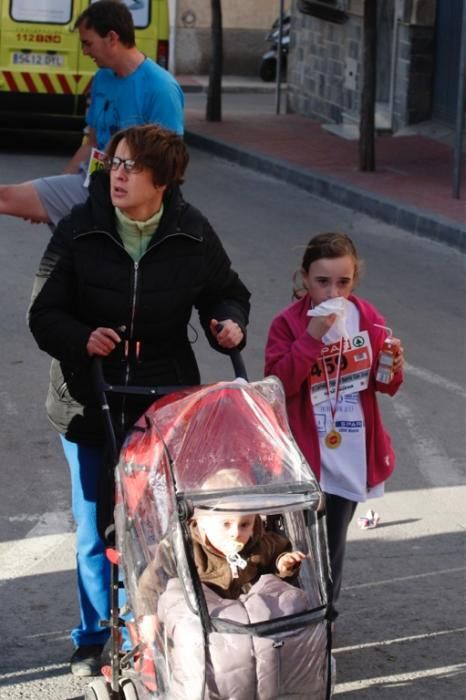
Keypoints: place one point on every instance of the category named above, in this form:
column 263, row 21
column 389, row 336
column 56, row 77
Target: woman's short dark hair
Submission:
column 107, row 16
column 157, row 149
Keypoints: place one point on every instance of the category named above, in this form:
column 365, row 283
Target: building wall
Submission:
column 324, row 66
column 245, row 24
column 325, row 69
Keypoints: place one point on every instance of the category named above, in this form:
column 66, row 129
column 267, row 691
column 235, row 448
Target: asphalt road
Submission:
column 401, row 631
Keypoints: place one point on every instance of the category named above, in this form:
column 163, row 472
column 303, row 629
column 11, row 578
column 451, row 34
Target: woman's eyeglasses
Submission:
column 128, row 164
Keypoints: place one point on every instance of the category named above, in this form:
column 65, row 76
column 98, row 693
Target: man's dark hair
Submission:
column 106, row 16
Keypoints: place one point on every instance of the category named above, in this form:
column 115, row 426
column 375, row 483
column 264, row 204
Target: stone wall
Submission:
column 324, row 67
column 325, row 71
column 245, row 24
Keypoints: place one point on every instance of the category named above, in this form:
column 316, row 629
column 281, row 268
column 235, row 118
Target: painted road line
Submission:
column 395, row 679
column 64, row 667
column 432, row 460
column 20, row 557
column 399, row 640
column 400, row 579
column 435, row 379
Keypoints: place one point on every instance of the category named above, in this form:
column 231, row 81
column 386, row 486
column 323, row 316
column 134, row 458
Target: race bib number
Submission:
column 97, row 161
column 355, row 366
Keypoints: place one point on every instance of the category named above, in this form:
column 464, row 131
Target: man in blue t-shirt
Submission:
column 128, row 89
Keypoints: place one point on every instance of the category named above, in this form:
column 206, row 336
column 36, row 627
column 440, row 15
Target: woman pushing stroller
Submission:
column 119, row 279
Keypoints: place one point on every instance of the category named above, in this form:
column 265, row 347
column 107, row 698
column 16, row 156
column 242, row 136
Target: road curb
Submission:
column 416, row 221
column 191, row 87
column 232, row 89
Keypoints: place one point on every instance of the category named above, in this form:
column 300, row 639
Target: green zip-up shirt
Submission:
column 136, row 234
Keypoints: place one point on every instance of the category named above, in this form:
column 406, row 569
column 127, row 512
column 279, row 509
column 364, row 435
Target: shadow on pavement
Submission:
column 401, row 630
column 391, row 523
column 400, row 633
column 37, row 142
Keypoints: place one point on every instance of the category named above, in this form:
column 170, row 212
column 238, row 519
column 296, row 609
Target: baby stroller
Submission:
column 189, row 643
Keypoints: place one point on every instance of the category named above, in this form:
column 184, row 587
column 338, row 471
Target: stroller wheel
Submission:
column 128, row 690
column 98, row 690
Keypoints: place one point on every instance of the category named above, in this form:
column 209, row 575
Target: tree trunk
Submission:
column 368, row 93
column 214, row 93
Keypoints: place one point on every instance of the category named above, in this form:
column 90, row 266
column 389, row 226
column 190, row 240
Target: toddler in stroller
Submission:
column 227, row 604
column 230, row 551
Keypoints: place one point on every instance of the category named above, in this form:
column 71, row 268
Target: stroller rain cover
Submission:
column 177, row 447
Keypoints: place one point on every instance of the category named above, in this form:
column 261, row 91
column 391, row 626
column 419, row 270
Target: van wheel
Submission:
column 98, row 690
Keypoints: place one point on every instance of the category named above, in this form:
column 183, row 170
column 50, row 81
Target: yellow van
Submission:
column 43, row 74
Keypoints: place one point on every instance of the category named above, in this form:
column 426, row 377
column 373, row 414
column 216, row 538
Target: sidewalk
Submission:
column 410, row 189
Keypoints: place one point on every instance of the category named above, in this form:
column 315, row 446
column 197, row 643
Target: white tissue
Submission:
column 337, row 306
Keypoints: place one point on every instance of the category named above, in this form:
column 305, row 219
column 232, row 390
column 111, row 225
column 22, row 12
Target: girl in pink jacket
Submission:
column 325, row 349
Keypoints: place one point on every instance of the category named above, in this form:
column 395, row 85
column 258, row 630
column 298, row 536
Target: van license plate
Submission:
column 37, row 59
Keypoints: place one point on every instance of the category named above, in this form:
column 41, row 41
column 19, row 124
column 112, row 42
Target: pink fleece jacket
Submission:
column 289, row 355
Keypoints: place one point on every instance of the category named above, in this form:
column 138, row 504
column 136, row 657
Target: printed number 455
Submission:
column 331, row 364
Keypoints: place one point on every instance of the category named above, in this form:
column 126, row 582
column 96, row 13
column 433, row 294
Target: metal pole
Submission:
column 172, row 7
column 397, row 19
column 279, row 58
column 460, row 107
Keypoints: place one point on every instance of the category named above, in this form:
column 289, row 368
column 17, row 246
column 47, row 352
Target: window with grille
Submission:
column 330, row 10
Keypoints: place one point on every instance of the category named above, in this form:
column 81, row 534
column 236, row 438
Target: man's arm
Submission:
column 23, row 201
column 83, row 153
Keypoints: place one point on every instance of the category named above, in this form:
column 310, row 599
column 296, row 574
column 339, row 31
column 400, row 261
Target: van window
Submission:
column 140, row 9
column 50, row 11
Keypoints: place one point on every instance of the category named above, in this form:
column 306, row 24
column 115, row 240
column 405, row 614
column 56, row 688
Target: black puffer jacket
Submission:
column 86, row 279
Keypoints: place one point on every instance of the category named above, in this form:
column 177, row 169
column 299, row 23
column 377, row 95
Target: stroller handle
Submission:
column 101, row 386
column 237, row 361
column 236, row 358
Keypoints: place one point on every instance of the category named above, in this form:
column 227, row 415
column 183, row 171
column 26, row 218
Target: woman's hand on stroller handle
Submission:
column 227, row 332
column 218, row 328
column 102, row 341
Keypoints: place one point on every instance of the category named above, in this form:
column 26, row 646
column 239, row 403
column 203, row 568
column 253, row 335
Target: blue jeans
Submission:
column 93, row 567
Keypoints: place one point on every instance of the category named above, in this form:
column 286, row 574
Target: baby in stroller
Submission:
column 230, row 551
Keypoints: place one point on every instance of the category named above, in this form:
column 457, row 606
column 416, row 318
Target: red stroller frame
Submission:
column 119, row 690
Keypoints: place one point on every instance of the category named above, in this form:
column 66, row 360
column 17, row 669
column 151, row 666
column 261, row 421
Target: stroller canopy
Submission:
column 226, row 426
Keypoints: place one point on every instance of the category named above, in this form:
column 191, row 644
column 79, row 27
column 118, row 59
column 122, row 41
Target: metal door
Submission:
column 447, row 57
column 385, row 24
